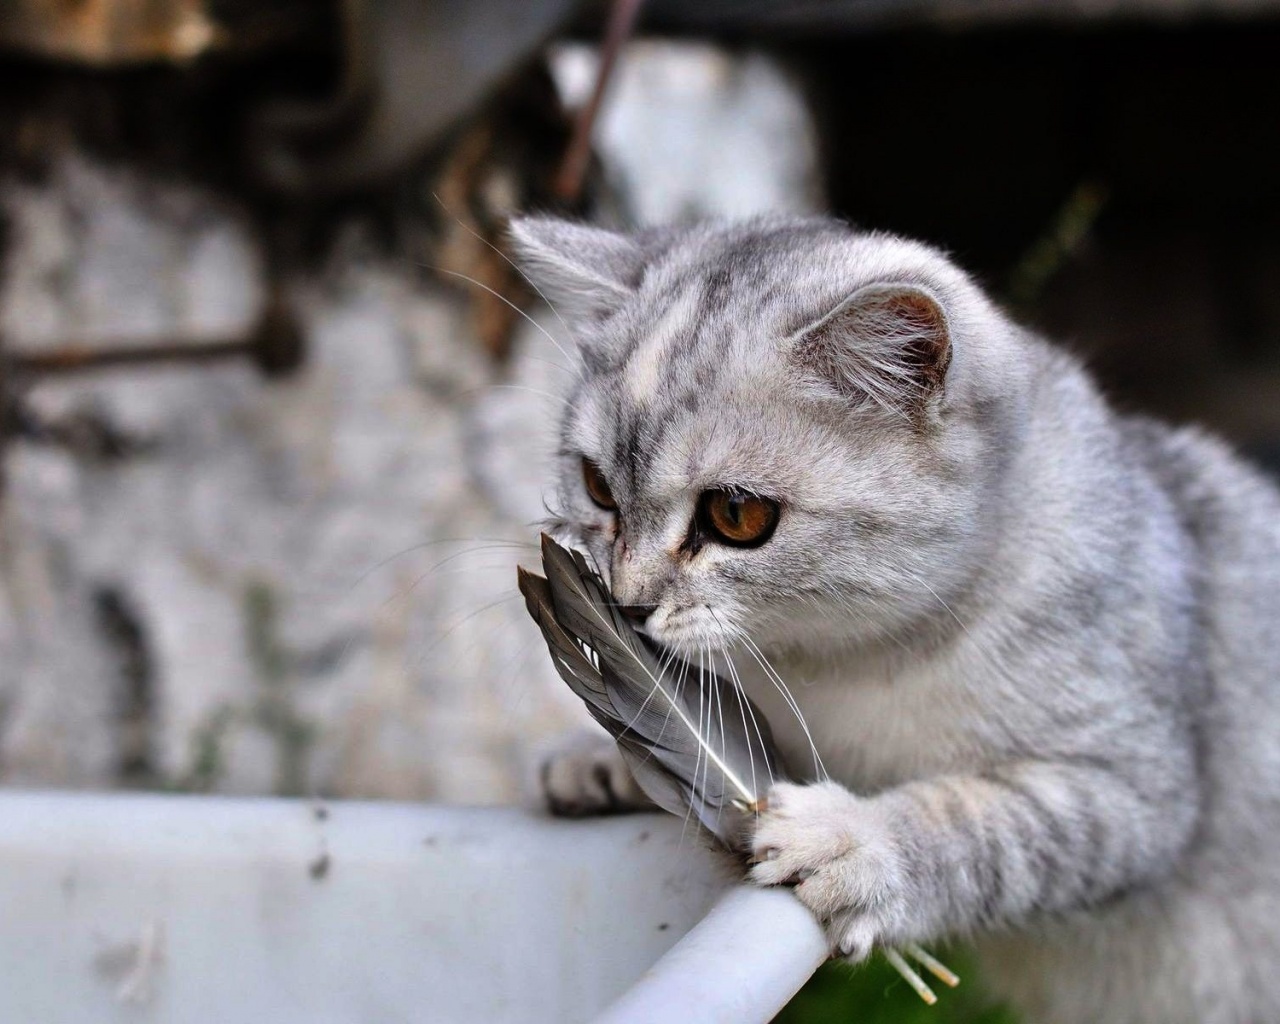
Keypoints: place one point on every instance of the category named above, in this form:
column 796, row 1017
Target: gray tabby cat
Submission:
column 1034, row 641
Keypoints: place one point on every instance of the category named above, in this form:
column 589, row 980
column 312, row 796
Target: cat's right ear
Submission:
column 888, row 343
column 584, row 272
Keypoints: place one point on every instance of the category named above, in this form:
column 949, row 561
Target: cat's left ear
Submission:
column 886, row 343
column 584, row 271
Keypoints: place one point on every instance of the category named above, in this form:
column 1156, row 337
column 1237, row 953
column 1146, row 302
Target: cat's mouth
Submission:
column 689, row 630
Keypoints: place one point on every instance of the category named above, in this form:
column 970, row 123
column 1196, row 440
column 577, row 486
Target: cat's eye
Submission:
column 597, row 486
column 742, row 520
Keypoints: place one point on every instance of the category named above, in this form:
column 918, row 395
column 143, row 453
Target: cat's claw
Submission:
column 839, row 857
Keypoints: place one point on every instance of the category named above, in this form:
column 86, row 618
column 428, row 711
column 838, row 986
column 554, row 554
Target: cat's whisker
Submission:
column 747, row 709
column 772, row 675
column 488, row 543
column 693, row 778
column 703, row 759
column 663, row 667
column 688, row 814
column 708, row 696
column 874, row 631
column 502, row 255
column 498, row 295
column 723, row 746
column 919, row 579
column 434, row 569
column 462, row 621
column 518, row 387
column 509, row 675
column 544, row 360
column 733, row 676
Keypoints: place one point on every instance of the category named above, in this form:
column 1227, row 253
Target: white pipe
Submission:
column 739, row 965
column 206, row 908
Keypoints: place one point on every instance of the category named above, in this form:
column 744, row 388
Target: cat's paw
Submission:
column 587, row 777
column 840, row 856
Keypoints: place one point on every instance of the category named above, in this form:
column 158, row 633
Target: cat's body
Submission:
column 1037, row 640
column 1197, row 941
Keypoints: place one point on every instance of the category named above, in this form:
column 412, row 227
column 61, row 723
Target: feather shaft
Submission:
column 613, row 623
column 680, row 753
column 683, row 755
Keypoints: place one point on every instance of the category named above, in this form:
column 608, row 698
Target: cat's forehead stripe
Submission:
column 642, row 373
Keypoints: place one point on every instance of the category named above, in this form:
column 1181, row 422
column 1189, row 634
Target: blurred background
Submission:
column 275, row 407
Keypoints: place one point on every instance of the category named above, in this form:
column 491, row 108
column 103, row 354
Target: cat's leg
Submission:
column 947, row 855
column 588, row 776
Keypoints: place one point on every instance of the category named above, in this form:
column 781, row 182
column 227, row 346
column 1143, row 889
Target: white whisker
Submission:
column 785, row 691
column 748, row 709
column 498, row 295
column 517, row 387
column 510, row 262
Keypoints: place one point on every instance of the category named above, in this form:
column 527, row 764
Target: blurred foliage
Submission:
column 874, row 994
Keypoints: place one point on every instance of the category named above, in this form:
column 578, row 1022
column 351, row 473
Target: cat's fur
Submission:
column 1036, row 642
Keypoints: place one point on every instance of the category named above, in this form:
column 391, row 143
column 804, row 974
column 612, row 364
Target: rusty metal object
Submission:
column 276, row 346
column 577, row 158
column 469, row 249
column 503, row 161
column 107, row 33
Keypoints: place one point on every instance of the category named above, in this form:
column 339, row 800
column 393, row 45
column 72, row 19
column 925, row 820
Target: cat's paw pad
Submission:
column 589, row 777
column 839, row 856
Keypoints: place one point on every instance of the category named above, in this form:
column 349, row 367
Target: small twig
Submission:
column 910, row 976
column 276, row 343
column 934, row 966
column 75, row 357
column 1060, row 242
column 573, row 170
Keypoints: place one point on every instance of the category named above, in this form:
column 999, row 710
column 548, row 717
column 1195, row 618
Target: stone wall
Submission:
column 211, row 580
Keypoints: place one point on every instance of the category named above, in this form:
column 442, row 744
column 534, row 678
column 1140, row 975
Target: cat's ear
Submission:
column 583, row 271
column 886, row 343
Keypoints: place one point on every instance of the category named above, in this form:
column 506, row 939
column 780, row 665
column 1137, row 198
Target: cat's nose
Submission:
column 638, row 613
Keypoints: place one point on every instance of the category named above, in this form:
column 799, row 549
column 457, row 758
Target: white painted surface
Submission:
column 181, row 909
column 741, row 964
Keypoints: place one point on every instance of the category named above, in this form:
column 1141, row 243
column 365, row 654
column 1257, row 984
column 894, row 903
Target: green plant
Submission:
column 874, row 994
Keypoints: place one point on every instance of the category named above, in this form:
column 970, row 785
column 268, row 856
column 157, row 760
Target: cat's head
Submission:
column 783, row 430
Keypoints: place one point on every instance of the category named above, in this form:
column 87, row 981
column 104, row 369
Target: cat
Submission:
column 1035, row 642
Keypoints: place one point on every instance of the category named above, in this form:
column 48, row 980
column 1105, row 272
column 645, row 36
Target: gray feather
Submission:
column 692, row 740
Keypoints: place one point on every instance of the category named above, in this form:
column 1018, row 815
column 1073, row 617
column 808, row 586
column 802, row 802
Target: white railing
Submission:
column 175, row 909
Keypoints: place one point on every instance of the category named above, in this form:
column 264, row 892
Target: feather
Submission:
column 693, row 740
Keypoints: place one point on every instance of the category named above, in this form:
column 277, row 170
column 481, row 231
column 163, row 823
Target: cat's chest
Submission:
column 873, row 731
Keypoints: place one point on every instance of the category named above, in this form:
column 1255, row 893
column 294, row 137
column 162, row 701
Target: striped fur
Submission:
column 1035, row 642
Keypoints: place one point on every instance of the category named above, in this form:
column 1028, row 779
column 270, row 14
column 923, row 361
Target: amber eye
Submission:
column 743, row 520
column 597, row 486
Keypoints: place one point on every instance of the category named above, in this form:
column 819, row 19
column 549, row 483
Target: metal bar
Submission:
column 573, row 171
column 79, row 357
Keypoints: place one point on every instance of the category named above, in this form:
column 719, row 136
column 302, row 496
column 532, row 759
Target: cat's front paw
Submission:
column 840, row 856
column 588, row 777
